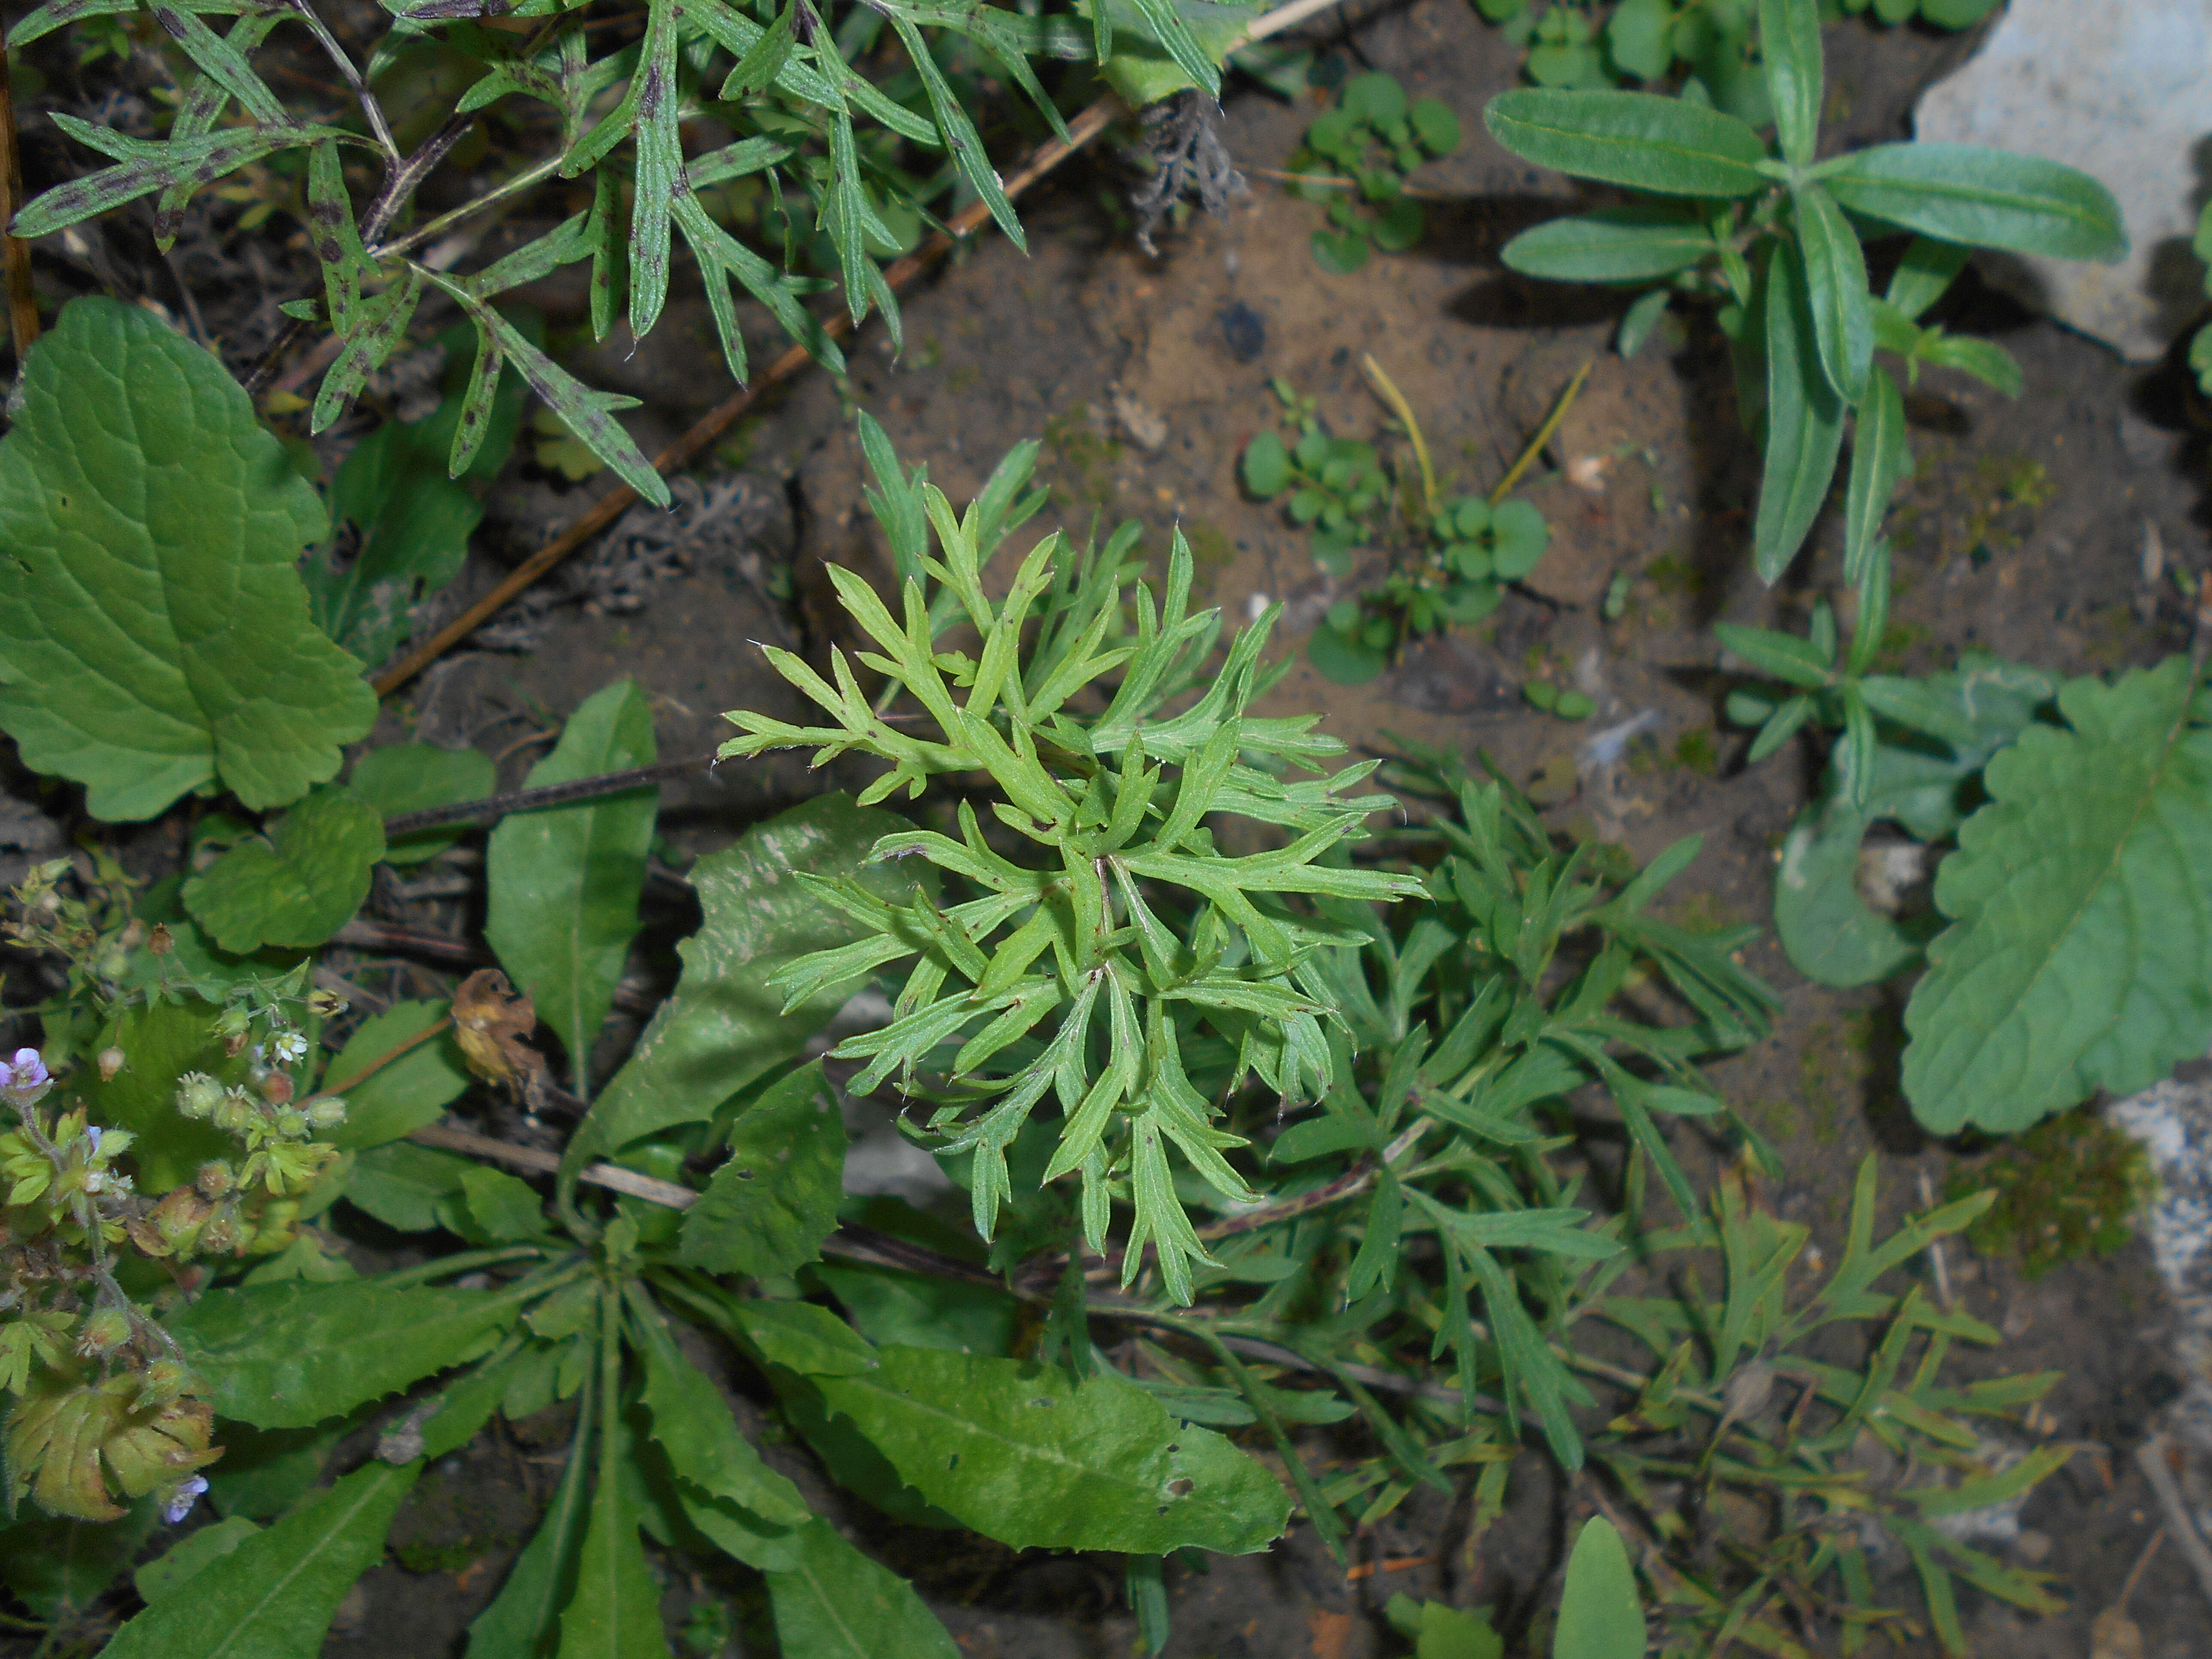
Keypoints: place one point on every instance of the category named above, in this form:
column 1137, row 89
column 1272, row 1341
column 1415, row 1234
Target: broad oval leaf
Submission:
column 277, row 1593
column 770, row 1205
column 1023, row 1454
column 1830, row 933
column 1599, row 1615
column 1633, row 138
column 1804, row 420
column 724, row 1028
column 2078, row 956
column 154, row 631
column 1631, row 244
column 298, row 887
column 1984, row 199
column 286, row 1355
column 564, row 881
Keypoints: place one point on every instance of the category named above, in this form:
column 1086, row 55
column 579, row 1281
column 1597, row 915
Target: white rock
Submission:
column 2122, row 90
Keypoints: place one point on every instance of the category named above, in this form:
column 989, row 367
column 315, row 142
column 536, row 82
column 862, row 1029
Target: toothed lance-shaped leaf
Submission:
column 277, row 1592
column 402, row 1095
column 2078, row 956
column 296, row 888
column 769, row 1208
column 565, row 881
column 153, row 631
column 286, row 1355
column 838, row 1604
column 1025, row 1453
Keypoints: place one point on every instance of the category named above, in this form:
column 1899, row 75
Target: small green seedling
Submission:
column 1336, row 486
column 1372, row 141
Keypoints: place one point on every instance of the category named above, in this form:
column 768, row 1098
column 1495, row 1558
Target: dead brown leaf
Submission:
column 1332, row 1633
column 490, row 1021
column 2115, row 1636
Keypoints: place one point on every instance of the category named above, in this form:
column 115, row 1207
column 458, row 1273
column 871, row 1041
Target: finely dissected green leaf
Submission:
column 1023, row 1455
column 159, row 1044
column 410, row 777
column 2079, row 957
column 193, row 1554
column 1630, row 244
column 1599, row 1615
column 1789, row 39
column 411, row 520
column 403, row 1095
column 1836, row 289
column 838, row 1604
column 154, row 632
column 564, row 881
column 724, row 1028
column 298, row 887
column 769, row 1208
column 58, row 1568
column 1804, row 420
column 1982, row 198
column 277, row 1592
column 286, row 1355
column 693, row 1425
column 1634, row 138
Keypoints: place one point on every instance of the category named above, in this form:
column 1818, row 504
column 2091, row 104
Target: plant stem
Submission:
column 1544, row 433
column 552, row 794
column 384, row 1060
column 1404, row 411
column 492, row 197
column 610, row 1176
column 15, row 252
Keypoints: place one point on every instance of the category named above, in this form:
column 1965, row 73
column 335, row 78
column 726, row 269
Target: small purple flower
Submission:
column 24, row 1077
column 91, row 1132
column 179, row 1504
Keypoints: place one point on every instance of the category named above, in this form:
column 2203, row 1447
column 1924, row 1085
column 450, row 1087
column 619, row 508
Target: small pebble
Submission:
column 1245, row 333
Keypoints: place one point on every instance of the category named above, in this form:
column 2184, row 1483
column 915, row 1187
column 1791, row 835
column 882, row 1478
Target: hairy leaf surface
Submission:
column 153, row 631
column 2078, row 956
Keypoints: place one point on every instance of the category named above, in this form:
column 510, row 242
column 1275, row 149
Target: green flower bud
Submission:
column 234, row 1114
column 216, row 1179
column 199, row 1095
column 326, row 1113
column 104, row 1332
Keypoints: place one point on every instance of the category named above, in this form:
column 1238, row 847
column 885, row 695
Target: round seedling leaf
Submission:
column 1345, row 660
column 1267, row 466
column 1375, row 99
column 1472, row 560
column 1471, row 516
column 1435, row 125
column 1400, row 225
column 1341, row 254
column 1306, row 505
column 1334, row 135
column 1518, row 538
column 1470, row 602
column 1574, row 706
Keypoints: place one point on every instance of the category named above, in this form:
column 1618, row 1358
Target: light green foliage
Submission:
column 277, row 1591
column 410, row 777
column 1441, row 1631
column 1599, row 1616
column 1126, row 903
column 564, row 881
column 768, row 1209
column 2075, row 959
column 725, row 1028
column 1023, row 1453
column 1781, row 252
column 1336, row 486
column 401, row 1095
column 190, row 1556
column 297, row 886
column 1373, row 140
column 160, row 1044
column 154, row 632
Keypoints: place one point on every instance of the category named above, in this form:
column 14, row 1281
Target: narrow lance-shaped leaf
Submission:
column 838, row 1604
column 277, row 1592
column 967, row 145
column 586, row 413
column 615, row 1611
column 1630, row 244
column 1804, row 420
column 1632, row 138
column 1175, row 35
column 376, row 328
column 660, row 169
column 478, row 405
column 204, row 102
column 1836, row 292
column 1789, row 41
column 1984, row 198
column 221, row 61
column 520, row 1621
column 196, row 160
column 1881, row 458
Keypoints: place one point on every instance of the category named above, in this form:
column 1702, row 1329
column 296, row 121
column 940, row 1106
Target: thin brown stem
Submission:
column 15, row 252
column 551, row 794
column 428, row 1034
